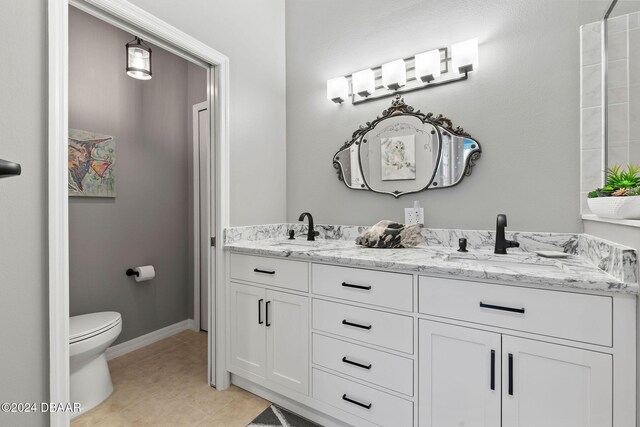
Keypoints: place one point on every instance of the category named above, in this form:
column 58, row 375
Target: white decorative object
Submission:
column 427, row 66
column 464, row 56
column 338, row 89
column 364, row 82
column 625, row 207
column 394, row 74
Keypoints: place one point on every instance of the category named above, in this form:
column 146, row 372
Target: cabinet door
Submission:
column 554, row 386
column 248, row 335
column 459, row 376
column 287, row 323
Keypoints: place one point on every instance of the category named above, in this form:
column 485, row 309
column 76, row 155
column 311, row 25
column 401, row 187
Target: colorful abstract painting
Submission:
column 92, row 158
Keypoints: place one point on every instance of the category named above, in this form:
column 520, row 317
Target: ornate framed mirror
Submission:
column 405, row 151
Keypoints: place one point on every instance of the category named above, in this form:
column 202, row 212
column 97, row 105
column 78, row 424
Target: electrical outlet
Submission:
column 420, row 215
column 410, row 216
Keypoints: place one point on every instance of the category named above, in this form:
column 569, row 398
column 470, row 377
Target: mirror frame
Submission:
column 400, row 108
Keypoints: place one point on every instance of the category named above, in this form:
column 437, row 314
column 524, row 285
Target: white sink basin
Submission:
column 514, row 263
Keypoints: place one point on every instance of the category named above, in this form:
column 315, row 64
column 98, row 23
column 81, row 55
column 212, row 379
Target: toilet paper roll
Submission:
column 145, row 272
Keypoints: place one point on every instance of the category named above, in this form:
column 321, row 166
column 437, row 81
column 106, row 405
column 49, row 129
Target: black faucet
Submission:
column 311, row 235
column 501, row 242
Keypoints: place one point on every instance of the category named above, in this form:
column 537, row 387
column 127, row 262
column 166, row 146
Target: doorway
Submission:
column 136, row 21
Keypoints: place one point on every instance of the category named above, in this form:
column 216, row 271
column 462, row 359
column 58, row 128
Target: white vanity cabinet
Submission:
column 367, row 347
column 269, row 328
column 476, row 378
column 487, row 376
column 459, row 383
column 554, row 385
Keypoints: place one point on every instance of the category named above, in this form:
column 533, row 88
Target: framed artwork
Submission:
column 92, row 158
column 398, row 158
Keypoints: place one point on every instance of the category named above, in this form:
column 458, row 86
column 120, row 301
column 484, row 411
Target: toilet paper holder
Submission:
column 132, row 272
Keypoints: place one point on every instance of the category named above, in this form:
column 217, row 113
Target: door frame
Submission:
column 124, row 15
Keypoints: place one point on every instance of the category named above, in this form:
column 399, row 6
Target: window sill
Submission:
column 625, row 222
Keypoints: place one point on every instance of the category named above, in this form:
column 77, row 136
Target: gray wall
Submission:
column 24, row 305
column 147, row 223
column 522, row 105
column 251, row 33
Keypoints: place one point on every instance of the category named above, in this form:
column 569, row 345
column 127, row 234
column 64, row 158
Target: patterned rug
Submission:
column 275, row 416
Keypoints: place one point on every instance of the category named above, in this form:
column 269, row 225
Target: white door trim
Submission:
column 122, row 14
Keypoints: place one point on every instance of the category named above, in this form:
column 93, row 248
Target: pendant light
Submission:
column 138, row 59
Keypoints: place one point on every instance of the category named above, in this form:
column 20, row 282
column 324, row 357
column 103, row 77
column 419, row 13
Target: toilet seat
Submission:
column 86, row 326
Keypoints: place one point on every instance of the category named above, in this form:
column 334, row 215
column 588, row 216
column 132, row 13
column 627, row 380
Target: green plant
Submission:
column 592, row 194
column 635, row 191
column 618, row 178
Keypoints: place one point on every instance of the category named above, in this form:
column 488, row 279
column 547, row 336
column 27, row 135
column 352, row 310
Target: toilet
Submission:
column 89, row 337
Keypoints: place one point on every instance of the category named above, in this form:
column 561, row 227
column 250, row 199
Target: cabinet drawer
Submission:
column 392, row 290
column 377, row 367
column 372, row 405
column 270, row 271
column 375, row 327
column 579, row 317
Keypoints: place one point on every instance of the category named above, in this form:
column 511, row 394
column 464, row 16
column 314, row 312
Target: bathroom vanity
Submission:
column 430, row 336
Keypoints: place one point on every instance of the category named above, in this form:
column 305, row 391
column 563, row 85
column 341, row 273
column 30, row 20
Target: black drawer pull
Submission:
column 493, row 369
column 355, row 402
column 360, row 365
column 260, row 321
column 266, row 309
column 350, row 285
column 257, row 270
column 356, row 325
column 510, row 374
column 502, row 308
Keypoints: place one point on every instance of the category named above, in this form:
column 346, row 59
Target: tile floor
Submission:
column 164, row 384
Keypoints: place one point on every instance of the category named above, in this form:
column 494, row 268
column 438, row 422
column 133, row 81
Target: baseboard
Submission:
column 150, row 338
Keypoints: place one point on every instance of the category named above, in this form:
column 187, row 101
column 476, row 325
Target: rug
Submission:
column 275, row 416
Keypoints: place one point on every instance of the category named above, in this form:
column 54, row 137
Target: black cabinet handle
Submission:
column 355, row 402
column 350, row 285
column 257, row 270
column 501, row 308
column 493, row 369
column 360, row 365
column 266, row 309
column 510, row 374
column 260, row 322
column 356, row 325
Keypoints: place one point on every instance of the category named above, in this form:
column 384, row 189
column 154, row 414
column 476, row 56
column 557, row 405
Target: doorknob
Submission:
column 8, row 169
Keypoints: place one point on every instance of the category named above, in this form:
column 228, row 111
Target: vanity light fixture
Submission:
column 338, row 89
column 364, row 82
column 464, row 56
column 394, row 74
column 138, row 59
column 427, row 66
column 424, row 70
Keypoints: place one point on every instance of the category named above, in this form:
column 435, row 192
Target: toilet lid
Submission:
column 88, row 325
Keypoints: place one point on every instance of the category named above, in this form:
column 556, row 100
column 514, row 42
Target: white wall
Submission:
column 521, row 105
column 251, row 33
column 24, row 306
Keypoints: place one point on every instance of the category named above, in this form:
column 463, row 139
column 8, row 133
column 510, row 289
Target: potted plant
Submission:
column 618, row 199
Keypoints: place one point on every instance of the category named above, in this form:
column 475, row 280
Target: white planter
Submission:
column 625, row 207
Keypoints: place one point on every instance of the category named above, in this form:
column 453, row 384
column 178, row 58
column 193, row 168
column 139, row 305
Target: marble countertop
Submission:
column 519, row 267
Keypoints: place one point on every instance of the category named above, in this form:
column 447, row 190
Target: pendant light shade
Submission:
column 138, row 60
